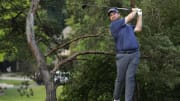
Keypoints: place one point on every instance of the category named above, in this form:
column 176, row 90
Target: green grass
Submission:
column 11, row 94
column 14, row 82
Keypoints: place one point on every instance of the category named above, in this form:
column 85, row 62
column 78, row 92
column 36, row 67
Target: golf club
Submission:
column 84, row 6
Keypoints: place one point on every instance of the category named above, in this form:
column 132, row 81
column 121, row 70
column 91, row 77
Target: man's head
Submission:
column 113, row 14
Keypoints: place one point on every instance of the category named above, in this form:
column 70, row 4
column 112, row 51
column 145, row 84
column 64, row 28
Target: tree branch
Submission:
column 72, row 57
column 69, row 42
column 30, row 32
column 34, row 6
column 132, row 3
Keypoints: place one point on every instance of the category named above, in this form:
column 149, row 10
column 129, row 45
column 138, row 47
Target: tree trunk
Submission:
column 40, row 58
column 132, row 3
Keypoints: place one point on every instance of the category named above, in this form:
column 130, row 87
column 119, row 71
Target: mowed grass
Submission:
column 11, row 94
column 14, row 82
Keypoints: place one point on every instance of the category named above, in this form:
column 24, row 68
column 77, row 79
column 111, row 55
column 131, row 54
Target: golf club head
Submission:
column 84, row 6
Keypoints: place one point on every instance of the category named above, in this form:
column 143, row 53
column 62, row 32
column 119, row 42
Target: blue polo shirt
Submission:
column 123, row 35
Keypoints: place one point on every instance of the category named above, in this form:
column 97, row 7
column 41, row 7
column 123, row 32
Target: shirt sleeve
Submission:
column 116, row 25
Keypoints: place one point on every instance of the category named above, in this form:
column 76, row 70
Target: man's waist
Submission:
column 129, row 51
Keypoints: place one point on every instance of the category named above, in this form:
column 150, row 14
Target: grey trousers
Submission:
column 126, row 70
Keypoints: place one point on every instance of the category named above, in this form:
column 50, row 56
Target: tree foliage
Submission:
column 12, row 19
column 158, row 73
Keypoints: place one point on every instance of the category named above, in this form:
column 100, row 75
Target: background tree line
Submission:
column 158, row 72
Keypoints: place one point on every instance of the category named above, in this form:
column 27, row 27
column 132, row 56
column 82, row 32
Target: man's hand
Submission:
column 131, row 15
column 134, row 9
column 139, row 12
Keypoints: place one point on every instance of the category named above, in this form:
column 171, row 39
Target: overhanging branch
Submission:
column 69, row 42
column 72, row 57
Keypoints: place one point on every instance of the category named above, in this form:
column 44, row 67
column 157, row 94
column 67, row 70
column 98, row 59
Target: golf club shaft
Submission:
column 126, row 9
column 87, row 5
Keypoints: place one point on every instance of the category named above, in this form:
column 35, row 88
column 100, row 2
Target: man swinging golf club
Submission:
column 127, row 50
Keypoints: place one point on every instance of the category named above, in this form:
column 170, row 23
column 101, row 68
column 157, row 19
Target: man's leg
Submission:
column 122, row 63
column 130, row 76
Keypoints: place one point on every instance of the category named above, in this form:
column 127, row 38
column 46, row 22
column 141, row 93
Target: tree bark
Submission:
column 132, row 3
column 40, row 58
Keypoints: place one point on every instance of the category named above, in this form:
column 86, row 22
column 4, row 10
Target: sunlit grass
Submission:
column 11, row 94
column 13, row 82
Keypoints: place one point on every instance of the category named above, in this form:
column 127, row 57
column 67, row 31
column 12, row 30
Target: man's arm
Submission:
column 131, row 15
column 138, row 27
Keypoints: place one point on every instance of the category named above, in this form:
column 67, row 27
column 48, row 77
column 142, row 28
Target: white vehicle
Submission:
column 61, row 77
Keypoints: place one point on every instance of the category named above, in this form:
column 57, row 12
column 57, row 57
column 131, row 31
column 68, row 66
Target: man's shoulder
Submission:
column 120, row 19
column 118, row 22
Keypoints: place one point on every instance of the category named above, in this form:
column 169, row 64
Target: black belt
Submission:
column 127, row 51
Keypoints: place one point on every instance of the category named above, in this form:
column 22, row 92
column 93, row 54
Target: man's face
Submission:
column 114, row 16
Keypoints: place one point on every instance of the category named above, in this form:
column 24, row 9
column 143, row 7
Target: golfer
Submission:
column 127, row 50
